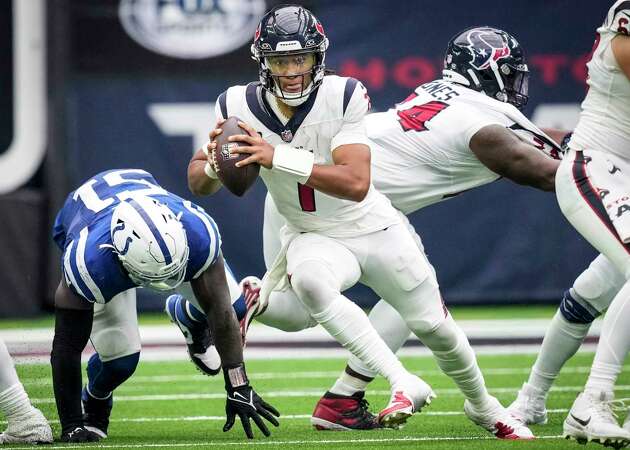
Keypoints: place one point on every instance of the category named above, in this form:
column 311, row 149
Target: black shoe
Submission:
column 96, row 413
column 80, row 434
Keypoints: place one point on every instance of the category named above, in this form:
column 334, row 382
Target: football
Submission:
column 236, row 179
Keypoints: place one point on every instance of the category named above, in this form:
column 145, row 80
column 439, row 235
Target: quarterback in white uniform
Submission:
column 315, row 161
column 593, row 190
column 446, row 138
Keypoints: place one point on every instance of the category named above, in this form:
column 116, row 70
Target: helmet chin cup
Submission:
column 292, row 98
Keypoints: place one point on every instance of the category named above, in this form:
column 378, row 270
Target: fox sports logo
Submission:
column 191, row 29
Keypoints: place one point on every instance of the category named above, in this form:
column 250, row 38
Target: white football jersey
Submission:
column 332, row 116
column 605, row 119
column 420, row 148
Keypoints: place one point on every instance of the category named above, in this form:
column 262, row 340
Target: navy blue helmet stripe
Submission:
column 621, row 7
column 154, row 230
column 351, row 84
column 223, row 104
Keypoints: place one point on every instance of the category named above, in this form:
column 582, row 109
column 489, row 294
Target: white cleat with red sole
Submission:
column 407, row 398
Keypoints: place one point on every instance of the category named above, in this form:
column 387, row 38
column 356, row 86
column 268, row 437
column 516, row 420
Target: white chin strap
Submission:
column 291, row 98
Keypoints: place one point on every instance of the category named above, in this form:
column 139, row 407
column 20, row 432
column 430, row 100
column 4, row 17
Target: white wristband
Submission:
column 205, row 148
column 293, row 161
column 210, row 171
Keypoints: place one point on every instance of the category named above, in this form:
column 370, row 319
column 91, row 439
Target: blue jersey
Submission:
column 82, row 232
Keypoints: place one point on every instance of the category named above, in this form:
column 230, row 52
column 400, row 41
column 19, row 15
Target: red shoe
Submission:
column 343, row 413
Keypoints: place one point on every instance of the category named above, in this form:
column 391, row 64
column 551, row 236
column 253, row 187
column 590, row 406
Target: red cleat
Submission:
column 343, row 413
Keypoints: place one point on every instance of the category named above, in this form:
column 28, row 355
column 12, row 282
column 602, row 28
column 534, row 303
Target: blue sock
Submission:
column 239, row 307
column 104, row 377
column 185, row 312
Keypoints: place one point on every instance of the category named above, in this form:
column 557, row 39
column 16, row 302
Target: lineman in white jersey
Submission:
column 593, row 190
column 442, row 140
column 365, row 241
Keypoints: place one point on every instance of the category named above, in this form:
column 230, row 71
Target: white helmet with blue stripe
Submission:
column 150, row 242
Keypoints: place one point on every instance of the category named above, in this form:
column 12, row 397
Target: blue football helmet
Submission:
column 488, row 60
column 289, row 30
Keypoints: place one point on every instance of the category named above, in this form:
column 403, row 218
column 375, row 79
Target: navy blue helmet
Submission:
column 488, row 60
column 289, row 30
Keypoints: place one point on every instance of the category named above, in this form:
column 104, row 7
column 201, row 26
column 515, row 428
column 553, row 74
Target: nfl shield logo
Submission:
column 286, row 135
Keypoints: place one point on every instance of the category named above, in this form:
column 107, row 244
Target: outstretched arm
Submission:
column 501, row 151
column 73, row 325
column 212, row 292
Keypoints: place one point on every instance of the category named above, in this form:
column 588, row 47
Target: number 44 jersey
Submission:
column 82, row 232
column 421, row 147
column 332, row 116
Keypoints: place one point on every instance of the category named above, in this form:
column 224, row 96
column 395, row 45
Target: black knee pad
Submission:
column 575, row 312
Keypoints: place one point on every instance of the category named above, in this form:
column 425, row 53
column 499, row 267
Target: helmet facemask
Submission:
column 272, row 68
column 150, row 243
column 285, row 32
column 516, row 81
column 168, row 278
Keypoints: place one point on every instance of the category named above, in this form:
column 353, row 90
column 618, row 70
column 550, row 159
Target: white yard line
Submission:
column 283, row 417
column 308, row 375
column 309, row 393
column 285, row 443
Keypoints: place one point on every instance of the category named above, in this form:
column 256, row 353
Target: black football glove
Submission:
column 80, row 434
column 243, row 401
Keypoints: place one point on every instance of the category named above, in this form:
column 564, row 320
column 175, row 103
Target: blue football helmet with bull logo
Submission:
column 488, row 60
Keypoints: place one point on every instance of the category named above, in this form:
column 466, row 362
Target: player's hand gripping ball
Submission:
column 236, row 179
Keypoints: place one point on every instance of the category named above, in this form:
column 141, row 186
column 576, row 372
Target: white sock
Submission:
column 390, row 326
column 349, row 325
column 457, row 359
column 286, row 312
column 562, row 339
column 614, row 344
column 14, row 401
column 346, row 384
column 8, row 376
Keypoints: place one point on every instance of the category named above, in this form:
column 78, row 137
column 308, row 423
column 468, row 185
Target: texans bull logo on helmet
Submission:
column 486, row 47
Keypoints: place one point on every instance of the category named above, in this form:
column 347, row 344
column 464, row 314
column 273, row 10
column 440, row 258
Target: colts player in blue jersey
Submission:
column 119, row 231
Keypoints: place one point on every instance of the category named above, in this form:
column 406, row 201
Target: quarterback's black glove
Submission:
column 243, row 401
column 80, row 434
